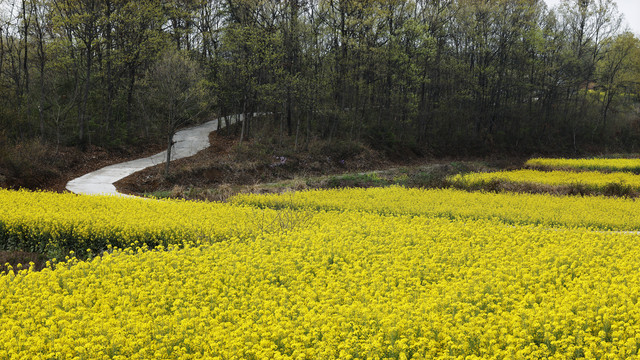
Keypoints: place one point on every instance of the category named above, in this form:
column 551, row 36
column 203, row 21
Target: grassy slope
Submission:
column 226, row 169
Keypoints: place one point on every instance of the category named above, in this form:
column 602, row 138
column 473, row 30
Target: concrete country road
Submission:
column 188, row 142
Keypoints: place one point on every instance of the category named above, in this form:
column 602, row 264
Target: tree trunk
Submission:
column 169, row 146
column 110, row 87
column 1, row 51
column 41, row 63
column 244, row 119
column 85, row 99
column 41, row 104
column 295, row 146
column 26, row 47
column 608, row 98
column 289, row 122
column 132, row 82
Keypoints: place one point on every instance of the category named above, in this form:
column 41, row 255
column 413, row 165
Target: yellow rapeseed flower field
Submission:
column 340, row 274
column 591, row 180
column 597, row 212
column 351, row 285
column 48, row 222
column 630, row 165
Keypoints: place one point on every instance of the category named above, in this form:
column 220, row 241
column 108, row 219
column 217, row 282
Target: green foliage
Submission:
column 174, row 91
column 442, row 76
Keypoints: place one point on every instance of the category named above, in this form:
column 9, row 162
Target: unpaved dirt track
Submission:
column 188, row 142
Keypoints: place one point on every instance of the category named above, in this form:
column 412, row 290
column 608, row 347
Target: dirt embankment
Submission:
column 33, row 165
column 227, row 162
column 227, row 168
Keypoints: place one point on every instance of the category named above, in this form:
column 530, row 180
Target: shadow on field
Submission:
column 11, row 259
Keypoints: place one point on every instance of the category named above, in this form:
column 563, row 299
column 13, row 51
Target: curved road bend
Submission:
column 188, row 142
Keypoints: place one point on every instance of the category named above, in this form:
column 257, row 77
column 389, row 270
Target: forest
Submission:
column 441, row 76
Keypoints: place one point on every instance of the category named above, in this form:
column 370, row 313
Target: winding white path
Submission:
column 188, row 142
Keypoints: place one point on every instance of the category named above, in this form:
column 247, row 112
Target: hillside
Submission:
column 40, row 166
column 227, row 168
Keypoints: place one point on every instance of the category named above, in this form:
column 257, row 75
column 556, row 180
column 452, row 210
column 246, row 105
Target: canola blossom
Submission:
column 387, row 273
column 352, row 285
column 592, row 180
column 597, row 212
column 628, row 165
column 46, row 222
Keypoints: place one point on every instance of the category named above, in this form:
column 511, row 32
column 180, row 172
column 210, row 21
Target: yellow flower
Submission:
column 379, row 278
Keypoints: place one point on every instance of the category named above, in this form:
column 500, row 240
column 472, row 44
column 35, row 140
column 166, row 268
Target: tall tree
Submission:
column 80, row 20
column 616, row 71
column 174, row 94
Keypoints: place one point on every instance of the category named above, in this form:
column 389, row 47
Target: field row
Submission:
column 48, row 223
column 595, row 212
column 615, row 183
column 54, row 223
column 610, row 177
column 344, row 285
column 597, row 164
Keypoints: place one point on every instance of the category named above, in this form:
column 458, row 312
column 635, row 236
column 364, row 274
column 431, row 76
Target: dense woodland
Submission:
column 448, row 76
